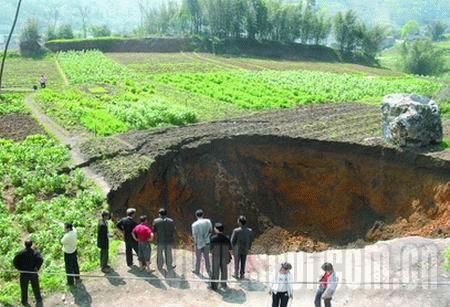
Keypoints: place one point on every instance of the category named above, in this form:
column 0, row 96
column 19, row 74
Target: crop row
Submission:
column 38, row 195
column 275, row 89
column 110, row 114
column 91, row 67
column 12, row 103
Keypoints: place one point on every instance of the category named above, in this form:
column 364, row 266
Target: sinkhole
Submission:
column 297, row 194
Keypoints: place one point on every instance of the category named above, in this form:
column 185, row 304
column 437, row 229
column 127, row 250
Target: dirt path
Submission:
column 72, row 141
column 411, row 260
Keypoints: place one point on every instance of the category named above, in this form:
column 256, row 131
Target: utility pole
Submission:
column 7, row 42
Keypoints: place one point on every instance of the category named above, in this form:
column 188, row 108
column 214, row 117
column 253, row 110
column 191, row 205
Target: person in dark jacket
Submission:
column 221, row 257
column 29, row 260
column 241, row 241
column 164, row 228
column 103, row 241
column 126, row 225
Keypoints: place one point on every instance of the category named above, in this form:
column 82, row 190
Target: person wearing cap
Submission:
column 241, row 241
column 103, row 241
column 126, row 225
column 69, row 243
column 29, row 260
column 221, row 256
column 327, row 286
column 201, row 232
column 282, row 289
column 164, row 229
column 143, row 235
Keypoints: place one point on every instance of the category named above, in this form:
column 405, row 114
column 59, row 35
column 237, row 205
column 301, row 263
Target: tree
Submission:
column 193, row 10
column 100, row 31
column 321, row 29
column 84, row 14
column 409, row 29
column 8, row 41
column 371, row 40
column 29, row 38
column 422, row 58
column 436, row 29
column 65, row 32
column 347, row 32
column 51, row 33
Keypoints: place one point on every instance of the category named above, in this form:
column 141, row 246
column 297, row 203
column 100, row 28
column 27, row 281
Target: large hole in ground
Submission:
column 297, row 194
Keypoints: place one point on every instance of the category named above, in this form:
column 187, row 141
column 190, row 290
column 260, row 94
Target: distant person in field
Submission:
column 126, row 225
column 69, row 243
column 221, row 256
column 42, row 81
column 241, row 241
column 327, row 286
column 103, row 241
column 143, row 234
column 201, row 232
column 29, row 260
column 282, row 289
column 164, row 229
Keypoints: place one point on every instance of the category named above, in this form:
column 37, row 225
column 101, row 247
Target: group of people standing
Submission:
column 206, row 238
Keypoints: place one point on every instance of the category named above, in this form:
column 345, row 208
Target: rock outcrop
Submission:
column 411, row 121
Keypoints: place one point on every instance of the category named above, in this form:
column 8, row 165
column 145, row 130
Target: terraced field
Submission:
column 25, row 72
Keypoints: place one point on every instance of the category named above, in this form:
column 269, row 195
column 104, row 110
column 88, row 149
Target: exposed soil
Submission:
column 307, row 178
column 18, row 126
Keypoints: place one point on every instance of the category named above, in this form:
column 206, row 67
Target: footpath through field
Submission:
column 72, row 141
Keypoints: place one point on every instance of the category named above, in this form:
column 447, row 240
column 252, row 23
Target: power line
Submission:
column 249, row 281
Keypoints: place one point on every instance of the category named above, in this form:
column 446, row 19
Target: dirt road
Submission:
column 409, row 260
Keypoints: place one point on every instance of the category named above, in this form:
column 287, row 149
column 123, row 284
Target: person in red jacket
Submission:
column 143, row 234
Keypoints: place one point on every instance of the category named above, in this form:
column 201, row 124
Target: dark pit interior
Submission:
column 297, row 194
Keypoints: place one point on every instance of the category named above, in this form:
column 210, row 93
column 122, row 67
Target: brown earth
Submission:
column 307, row 178
column 18, row 126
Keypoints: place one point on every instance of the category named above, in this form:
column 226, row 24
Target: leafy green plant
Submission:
column 31, row 171
column 12, row 103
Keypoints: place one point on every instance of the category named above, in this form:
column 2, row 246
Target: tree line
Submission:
column 264, row 20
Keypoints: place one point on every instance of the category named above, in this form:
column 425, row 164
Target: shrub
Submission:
column 422, row 58
column 65, row 32
column 29, row 39
column 100, row 31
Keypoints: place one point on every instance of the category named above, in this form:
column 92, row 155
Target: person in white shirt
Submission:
column 282, row 289
column 69, row 243
column 201, row 232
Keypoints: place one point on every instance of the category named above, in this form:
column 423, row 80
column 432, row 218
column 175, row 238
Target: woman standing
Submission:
column 327, row 286
column 282, row 289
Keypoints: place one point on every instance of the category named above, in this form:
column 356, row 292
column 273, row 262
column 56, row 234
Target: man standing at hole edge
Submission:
column 164, row 228
column 126, row 225
column 69, row 243
column 201, row 231
column 241, row 241
column 103, row 241
column 221, row 257
column 31, row 261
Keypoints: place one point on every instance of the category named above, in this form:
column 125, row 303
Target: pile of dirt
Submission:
column 18, row 126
